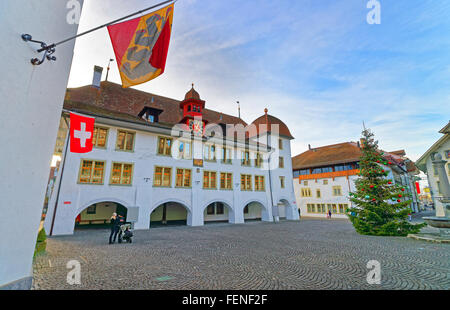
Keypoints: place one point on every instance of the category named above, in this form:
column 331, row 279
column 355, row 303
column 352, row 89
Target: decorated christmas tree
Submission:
column 380, row 207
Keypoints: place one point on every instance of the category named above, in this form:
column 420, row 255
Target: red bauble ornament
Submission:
column 374, row 199
column 378, row 161
column 389, row 182
column 390, row 163
column 400, row 196
column 398, row 200
column 403, row 189
column 371, row 186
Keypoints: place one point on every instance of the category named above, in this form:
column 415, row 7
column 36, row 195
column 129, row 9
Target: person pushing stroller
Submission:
column 115, row 227
column 119, row 228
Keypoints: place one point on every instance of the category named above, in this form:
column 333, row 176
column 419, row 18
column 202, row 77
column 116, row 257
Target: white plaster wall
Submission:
column 432, row 179
column 31, row 102
column 326, row 192
column 286, row 195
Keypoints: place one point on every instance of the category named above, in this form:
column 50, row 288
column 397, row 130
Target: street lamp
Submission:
column 107, row 70
column 239, row 109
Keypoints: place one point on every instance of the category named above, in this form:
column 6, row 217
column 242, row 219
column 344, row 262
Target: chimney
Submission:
column 97, row 76
column 309, row 147
column 358, row 144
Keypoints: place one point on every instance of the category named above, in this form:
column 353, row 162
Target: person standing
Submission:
column 115, row 223
column 329, row 214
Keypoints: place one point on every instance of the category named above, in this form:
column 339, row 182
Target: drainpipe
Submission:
column 270, row 174
column 61, row 177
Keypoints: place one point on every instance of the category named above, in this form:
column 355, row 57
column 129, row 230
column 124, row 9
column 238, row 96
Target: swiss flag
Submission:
column 81, row 133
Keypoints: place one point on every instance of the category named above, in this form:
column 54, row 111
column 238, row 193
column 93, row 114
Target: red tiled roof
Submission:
column 393, row 158
column 399, row 152
column 411, row 167
column 93, row 110
column 112, row 97
column 192, row 94
column 341, row 153
column 271, row 120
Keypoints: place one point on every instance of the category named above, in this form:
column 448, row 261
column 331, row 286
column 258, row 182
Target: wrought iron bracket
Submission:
column 48, row 50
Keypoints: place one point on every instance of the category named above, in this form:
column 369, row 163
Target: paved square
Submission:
column 310, row 254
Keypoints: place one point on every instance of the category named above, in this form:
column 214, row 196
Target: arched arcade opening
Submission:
column 169, row 214
column 283, row 206
column 253, row 211
column 218, row 212
column 288, row 211
column 98, row 215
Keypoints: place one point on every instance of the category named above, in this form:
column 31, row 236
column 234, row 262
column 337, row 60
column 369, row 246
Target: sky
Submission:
column 315, row 64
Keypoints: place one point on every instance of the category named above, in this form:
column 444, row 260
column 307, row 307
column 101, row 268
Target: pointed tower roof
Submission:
column 192, row 94
column 270, row 120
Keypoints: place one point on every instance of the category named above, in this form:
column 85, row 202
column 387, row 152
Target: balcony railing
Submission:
column 328, row 175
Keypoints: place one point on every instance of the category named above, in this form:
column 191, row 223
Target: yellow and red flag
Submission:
column 141, row 46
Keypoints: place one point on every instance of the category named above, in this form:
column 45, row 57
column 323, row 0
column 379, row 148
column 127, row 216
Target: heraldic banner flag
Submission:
column 81, row 133
column 141, row 46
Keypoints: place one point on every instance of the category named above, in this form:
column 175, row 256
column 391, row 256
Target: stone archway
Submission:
column 218, row 211
column 98, row 214
column 170, row 213
column 255, row 211
column 287, row 211
column 283, row 210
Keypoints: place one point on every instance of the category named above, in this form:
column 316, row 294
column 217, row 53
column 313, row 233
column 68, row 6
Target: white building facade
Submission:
column 316, row 197
column 165, row 176
column 442, row 147
column 325, row 176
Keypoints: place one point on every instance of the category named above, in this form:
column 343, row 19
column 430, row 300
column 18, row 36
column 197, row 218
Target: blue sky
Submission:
column 315, row 64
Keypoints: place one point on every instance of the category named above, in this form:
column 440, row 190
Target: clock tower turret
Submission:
column 193, row 107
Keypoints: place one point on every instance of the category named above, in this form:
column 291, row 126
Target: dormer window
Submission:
column 189, row 108
column 151, row 115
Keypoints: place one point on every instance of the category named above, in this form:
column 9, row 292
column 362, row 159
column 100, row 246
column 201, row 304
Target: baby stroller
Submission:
column 125, row 234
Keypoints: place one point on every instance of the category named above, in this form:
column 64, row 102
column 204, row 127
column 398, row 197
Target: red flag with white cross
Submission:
column 81, row 133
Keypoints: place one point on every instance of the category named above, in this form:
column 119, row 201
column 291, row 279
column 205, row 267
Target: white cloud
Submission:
column 286, row 56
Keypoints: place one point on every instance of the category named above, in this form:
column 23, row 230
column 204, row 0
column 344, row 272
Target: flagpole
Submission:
column 50, row 49
column 105, row 25
column 61, row 176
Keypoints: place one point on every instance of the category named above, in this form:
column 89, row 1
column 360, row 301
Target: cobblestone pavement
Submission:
column 310, row 254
